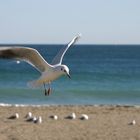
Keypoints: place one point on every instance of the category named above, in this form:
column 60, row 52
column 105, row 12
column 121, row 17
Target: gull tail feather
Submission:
column 34, row 83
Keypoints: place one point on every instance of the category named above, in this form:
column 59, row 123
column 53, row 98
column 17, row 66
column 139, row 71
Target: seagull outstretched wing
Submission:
column 59, row 57
column 30, row 55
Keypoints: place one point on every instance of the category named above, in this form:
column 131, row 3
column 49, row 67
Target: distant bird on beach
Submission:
column 49, row 72
column 29, row 115
column 55, row 117
column 84, row 117
column 72, row 116
column 15, row 116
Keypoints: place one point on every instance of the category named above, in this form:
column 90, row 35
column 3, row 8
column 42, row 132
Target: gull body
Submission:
column 133, row 122
column 55, row 117
column 15, row 116
column 35, row 119
column 29, row 115
column 50, row 75
column 84, row 117
column 72, row 116
column 49, row 72
column 39, row 119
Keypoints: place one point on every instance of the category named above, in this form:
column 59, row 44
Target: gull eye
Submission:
column 61, row 68
column 64, row 70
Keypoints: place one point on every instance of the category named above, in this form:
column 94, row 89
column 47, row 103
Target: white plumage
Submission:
column 49, row 72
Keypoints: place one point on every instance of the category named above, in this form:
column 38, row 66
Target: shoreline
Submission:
column 105, row 122
column 71, row 105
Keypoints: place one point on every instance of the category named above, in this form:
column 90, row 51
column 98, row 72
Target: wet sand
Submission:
column 105, row 123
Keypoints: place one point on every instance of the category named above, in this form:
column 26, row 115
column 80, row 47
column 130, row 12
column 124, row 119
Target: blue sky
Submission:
column 57, row 21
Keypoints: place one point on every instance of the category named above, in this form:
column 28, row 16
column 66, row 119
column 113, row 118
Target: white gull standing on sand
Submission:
column 132, row 123
column 39, row 119
column 72, row 116
column 29, row 115
column 84, row 117
column 55, row 117
column 15, row 116
column 49, row 72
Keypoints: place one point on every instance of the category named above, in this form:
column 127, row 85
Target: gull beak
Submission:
column 68, row 75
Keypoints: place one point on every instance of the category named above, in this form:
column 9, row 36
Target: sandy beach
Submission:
column 105, row 123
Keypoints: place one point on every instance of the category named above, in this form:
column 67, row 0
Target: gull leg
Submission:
column 49, row 89
column 45, row 90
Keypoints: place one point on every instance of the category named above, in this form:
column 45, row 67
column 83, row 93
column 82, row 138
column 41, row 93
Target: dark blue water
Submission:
column 101, row 74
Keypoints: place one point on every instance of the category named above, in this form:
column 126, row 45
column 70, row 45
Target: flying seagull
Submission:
column 49, row 72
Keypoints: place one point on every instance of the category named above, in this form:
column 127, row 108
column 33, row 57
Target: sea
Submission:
column 100, row 75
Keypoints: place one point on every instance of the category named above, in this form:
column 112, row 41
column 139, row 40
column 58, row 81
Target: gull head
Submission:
column 64, row 70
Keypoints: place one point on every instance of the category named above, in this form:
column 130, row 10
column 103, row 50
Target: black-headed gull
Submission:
column 49, row 72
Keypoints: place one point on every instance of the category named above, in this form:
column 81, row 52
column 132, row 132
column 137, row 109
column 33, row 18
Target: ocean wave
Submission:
column 46, row 105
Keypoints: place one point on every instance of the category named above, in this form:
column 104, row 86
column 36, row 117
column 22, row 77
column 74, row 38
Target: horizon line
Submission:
column 21, row 44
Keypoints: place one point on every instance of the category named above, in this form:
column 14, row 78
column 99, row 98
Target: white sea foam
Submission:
column 22, row 105
column 47, row 105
